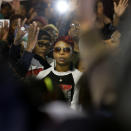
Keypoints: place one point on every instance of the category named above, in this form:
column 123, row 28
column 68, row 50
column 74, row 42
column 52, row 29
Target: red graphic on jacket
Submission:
column 34, row 72
column 67, row 89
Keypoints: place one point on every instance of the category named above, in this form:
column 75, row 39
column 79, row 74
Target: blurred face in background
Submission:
column 14, row 24
column 62, row 53
column 74, row 30
column 6, row 11
column 100, row 8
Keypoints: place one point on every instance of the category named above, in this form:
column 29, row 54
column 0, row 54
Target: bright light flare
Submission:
column 62, row 6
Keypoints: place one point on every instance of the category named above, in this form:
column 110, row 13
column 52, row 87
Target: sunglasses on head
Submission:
column 42, row 44
column 65, row 50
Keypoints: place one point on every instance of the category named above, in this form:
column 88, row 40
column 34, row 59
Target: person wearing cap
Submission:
column 33, row 60
column 39, row 61
column 52, row 31
column 54, row 34
column 63, row 74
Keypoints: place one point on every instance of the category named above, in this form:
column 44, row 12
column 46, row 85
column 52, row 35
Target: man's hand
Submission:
column 20, row 33
column 4, row 31
column 32, row 37
column 120, row 8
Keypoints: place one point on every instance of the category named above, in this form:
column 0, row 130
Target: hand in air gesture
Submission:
column 120, row 8
column 32, row 36
column 4, row 31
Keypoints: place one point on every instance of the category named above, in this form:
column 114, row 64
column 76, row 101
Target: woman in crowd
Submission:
column 102, row 20
column 96, row 89
column 34, row 57
column 74, row 32
column 13, row 27
column 63, row 74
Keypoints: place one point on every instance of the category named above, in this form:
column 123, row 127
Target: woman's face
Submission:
column 100, row 8
column 42, row 47
column 62, row 53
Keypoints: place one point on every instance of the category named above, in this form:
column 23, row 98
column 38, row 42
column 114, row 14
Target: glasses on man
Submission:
column 44, row 44
column 65, row 50
column 75, row 26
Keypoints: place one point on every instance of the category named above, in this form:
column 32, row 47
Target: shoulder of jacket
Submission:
column 76, row 75
column 44, row 73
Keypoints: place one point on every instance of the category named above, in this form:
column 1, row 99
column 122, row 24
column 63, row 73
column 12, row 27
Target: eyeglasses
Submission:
column 75, row 26
column 42, row 44
column 65, row 50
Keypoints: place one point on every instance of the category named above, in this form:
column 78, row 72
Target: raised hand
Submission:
column 20, row 33
column 32, row 37
column 120, row 8
column 4, row 31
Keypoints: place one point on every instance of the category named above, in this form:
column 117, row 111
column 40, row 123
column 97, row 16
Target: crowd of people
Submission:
column 64, row 70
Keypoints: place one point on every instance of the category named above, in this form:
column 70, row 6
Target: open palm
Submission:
column 4, row 31
column 32, row 36
column 121, row 7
